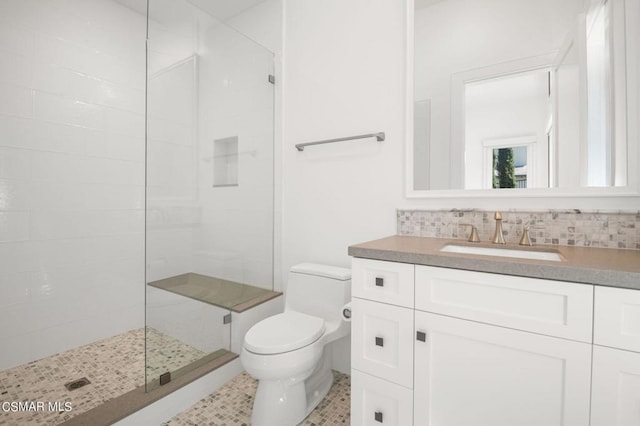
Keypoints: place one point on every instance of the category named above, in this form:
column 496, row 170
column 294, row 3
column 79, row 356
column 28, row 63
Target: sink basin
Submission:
column 503, row 252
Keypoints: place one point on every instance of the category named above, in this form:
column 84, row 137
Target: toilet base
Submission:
column 316, row 393
column 288, row 402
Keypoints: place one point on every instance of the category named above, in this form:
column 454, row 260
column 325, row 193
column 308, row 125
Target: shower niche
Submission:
column 209, row 228
column 225, row 162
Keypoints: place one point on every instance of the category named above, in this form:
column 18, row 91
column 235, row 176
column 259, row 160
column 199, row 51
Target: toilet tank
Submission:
column 318, row 290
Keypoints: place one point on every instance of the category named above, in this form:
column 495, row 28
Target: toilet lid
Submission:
column 283, row 333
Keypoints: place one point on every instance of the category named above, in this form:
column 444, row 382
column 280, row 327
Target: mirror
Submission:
column 519, row 94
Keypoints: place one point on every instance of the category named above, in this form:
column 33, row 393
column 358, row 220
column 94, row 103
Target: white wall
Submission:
column 344, row 75
column 71, row 175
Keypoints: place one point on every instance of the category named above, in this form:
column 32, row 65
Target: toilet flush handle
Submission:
column 346, row 313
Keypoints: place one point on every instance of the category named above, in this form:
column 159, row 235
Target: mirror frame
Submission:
column 632, row 29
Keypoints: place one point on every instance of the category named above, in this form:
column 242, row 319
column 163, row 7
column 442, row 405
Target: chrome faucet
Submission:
column 498, row 237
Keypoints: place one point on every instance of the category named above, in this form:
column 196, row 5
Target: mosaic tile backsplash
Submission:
column 552, row 227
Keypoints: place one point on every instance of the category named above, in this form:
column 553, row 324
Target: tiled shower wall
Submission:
column 552, row 227
column 72, row 78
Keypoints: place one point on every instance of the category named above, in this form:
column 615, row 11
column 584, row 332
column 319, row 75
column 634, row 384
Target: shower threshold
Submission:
column 236, row 297
column 124, row 405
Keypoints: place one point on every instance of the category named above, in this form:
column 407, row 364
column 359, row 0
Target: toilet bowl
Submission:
column 287, row 353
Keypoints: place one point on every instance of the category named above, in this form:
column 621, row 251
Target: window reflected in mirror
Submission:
column 544, row 79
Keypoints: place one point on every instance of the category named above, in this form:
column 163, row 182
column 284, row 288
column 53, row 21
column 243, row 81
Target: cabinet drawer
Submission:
column 382, row 341
column 376, row 402
column 387, row 282
column 617, row 318
column 553, row 308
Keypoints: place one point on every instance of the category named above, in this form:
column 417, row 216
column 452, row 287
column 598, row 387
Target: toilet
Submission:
column 287, row 353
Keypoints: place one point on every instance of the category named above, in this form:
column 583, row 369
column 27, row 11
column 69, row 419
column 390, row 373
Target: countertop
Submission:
column 599, row 266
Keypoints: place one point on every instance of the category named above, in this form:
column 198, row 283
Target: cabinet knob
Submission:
column 379, row 341
column 421, row 336
column 378, row 416
column 379, row 282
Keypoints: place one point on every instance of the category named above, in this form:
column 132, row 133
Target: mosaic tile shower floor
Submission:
column 231, row 405
column 114, row 366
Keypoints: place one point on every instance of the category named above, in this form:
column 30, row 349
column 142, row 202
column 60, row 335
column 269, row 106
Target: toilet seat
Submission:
column 283, row 333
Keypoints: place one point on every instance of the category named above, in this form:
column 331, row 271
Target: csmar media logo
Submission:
column 34, row 406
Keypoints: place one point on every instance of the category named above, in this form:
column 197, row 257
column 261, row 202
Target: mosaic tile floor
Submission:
column 114, row 366
column 231, row 405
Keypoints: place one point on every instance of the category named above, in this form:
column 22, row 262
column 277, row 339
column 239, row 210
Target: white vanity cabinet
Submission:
column 436, row 346
column 615, row 400
column 444, row 347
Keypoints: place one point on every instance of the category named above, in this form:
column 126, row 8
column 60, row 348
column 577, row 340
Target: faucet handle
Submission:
column 473, row 237
column 525, row 240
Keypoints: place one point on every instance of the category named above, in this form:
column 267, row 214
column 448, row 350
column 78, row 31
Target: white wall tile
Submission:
column 72, row 78
column 60, row 283
column 16, row 132
column 14, row 39
column 118, row 246
column 15, row 100
column 14, row 226
column 58, row 195
column 14, row 164
column 18, row 256
column 54, row 224
column 20, row 350
column 65, row 138
column 126, row 147
column 56, row 167
column 15, row 288
column 15, row 322
column 57, row 109
column 58, row 253
column 16, row 195
column 113, row 197
column 53, row 51
column 125, row 122
column 15, row 69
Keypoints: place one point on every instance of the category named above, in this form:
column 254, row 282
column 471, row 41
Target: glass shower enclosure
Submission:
column 209, row 185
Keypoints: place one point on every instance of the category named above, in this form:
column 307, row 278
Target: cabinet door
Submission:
column 616, row 388
column 382, row 341
column 376, row 402
column 471, row 374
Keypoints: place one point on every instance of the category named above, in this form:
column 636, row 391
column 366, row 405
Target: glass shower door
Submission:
column 209, row 188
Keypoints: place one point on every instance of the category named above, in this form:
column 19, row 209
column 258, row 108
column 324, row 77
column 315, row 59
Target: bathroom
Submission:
column 341, row 68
